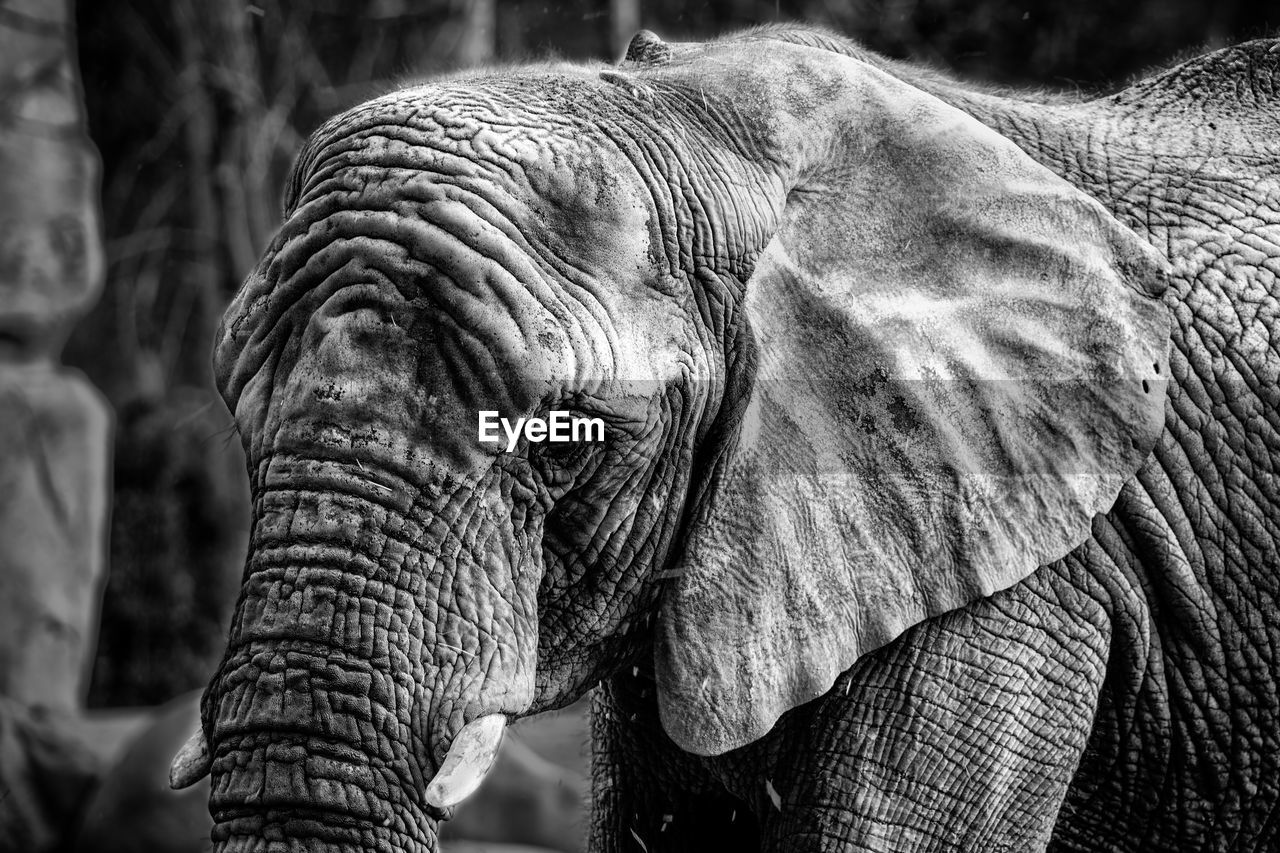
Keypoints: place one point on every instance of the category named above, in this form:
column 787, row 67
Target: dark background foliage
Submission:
column 197, row 107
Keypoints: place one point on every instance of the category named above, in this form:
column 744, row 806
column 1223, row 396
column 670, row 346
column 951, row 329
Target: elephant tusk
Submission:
column 192, row 762
column 469, row 760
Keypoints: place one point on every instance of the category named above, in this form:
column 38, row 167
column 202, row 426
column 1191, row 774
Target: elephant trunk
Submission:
column 371, row 636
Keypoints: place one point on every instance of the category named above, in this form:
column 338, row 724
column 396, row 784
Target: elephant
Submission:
column 935, row 506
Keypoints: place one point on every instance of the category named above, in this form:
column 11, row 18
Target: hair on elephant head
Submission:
column 859, row 361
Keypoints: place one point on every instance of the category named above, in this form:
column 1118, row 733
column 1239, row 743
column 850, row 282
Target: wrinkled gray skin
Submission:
column 404, row 579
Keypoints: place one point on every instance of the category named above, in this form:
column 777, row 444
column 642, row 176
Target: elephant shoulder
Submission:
column 1238, row 86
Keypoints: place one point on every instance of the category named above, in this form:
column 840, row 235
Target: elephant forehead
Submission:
column 502, row 171
column 549, row 95
column 545, row 127
column 557, row 143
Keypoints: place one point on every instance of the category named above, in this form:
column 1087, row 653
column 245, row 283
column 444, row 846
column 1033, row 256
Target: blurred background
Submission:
column 196, row 108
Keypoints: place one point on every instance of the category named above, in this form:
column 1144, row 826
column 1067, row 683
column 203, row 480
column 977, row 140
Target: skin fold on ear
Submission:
column 959, row 360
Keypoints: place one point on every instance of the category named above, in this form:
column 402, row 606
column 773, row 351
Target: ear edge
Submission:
column 689, row 713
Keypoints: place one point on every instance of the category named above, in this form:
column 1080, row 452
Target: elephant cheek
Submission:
column 342, row 687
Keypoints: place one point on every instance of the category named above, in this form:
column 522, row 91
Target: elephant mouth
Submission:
column 303, row 819
column 326, row 762
column 324, row 830
column 344, row 802
column 466, row 765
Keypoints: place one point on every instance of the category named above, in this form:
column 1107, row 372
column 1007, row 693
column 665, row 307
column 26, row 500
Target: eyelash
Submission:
column 564, row 455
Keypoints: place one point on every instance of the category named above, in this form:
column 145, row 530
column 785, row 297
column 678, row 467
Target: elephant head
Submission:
column 859, row 361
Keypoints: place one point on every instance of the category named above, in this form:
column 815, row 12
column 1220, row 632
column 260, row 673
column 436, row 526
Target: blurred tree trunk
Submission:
column 624, row 22
column 192, row 195
column 54, row 426
column 477, row 41
column 221, row 88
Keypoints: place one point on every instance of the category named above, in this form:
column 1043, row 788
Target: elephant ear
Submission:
column 958, row 361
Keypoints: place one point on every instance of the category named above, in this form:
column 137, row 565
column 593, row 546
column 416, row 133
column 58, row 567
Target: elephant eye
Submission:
column 564, row 454
column 560, row 465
